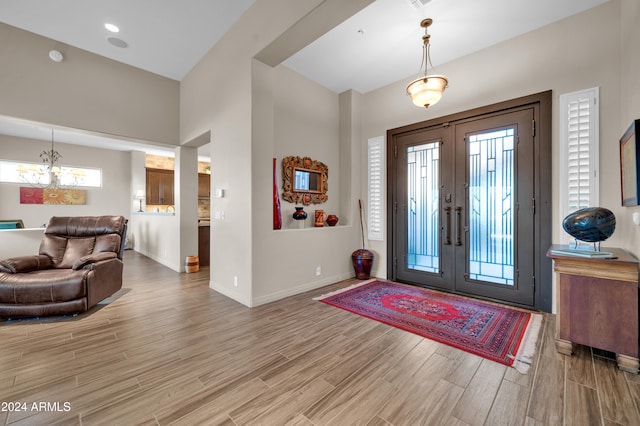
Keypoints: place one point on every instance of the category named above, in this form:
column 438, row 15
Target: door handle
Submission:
column 447, row 226
column 458, row 227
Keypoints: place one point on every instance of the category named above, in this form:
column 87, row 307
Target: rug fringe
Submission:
column 342, row 290
column 524, row 358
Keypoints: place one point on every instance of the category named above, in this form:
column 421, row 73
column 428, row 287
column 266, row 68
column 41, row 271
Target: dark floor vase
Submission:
column 362, row 262
column 592, row 224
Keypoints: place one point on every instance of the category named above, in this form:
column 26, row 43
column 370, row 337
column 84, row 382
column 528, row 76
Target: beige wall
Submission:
column 306, row 128
column 112, row 199
column 96, row 95
column 579, row 52
column 286, row 123
column 629, row 234
column 84, row 91
column 231, row 96
column 253, row 118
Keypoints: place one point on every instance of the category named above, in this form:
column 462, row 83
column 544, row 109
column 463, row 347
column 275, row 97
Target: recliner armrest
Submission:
column 93, row 258
column 21, row 264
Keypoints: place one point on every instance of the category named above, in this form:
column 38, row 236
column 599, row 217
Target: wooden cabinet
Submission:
column 204, row 244
column 204, row 186
column 597, row 304
column 160, row 187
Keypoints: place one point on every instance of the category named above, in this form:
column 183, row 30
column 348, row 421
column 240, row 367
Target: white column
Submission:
column 186, row 199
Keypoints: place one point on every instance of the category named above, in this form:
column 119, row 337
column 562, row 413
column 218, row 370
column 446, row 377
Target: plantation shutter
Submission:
column 579, row 145
column 375, row 187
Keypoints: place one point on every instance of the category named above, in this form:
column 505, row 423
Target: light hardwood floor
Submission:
column 169, row 350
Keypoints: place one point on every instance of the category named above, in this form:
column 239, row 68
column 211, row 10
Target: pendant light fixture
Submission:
column 50, row 174
column 427, row 89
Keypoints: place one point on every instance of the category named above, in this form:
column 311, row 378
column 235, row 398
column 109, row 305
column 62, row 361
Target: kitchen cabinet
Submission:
column 204, row 244
column 160, row 187
column 204, row 186
column 597, row 304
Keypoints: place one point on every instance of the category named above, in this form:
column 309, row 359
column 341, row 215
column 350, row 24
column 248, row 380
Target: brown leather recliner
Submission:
column 78, row 265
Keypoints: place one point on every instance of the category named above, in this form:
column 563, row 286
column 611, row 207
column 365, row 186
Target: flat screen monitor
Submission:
column 11, row 224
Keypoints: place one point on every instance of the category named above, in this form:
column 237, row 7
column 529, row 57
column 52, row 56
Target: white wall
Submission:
column 158, row 236
column 112, row 199
column 20, row 242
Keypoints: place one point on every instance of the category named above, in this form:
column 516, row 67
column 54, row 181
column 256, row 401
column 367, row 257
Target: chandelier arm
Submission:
column 423, row 63
column 429, row 60
column 425, row 59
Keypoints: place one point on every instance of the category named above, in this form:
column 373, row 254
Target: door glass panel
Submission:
column 422, row 209
column 491, row 219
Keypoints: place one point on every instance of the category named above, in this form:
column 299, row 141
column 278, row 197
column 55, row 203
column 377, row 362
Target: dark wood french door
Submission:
column 463, row 197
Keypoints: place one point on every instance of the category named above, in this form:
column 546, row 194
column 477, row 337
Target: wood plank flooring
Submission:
column 168, row 350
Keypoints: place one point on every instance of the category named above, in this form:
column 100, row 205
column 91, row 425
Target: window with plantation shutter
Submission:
column 375, row 169
column 579, row 144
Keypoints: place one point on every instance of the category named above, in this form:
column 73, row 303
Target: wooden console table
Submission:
column 597, row 304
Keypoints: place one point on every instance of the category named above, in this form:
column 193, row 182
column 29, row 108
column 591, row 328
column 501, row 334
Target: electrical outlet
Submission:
column 318, row 270
column 235, row 281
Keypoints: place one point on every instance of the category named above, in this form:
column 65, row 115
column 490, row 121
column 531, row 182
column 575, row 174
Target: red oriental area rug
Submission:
column 492, row 331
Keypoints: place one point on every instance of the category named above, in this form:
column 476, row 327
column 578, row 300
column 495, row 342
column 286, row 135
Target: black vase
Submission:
column 362, row 262
column 593, row 224
column 299, row 214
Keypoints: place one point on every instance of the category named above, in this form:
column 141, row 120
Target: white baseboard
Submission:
column 160, row 260
column 300, row 289
column 238, row 297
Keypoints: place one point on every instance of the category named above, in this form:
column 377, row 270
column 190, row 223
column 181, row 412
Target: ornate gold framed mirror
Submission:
column 304, row 180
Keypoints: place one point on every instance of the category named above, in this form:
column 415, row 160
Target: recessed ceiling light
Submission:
column 112, row 28
column 117, row 42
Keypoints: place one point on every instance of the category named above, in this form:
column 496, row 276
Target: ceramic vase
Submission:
column 362, row 262
column 332, row 219
column 299, row 214
column 319, row 222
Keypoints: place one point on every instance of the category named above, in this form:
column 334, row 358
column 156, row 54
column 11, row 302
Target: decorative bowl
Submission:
column 592, row 224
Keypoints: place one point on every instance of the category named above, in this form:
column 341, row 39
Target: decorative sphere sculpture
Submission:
column 592, row 224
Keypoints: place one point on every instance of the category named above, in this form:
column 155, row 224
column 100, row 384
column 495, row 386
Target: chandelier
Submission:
column 50, row 175
column 426, row 90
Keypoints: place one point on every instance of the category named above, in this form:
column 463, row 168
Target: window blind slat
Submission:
column 375, row 188
column 579, row 149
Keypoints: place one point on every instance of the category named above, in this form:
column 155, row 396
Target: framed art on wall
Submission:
column 629, row 164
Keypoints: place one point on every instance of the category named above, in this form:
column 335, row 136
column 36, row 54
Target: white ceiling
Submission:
column 380, row 45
